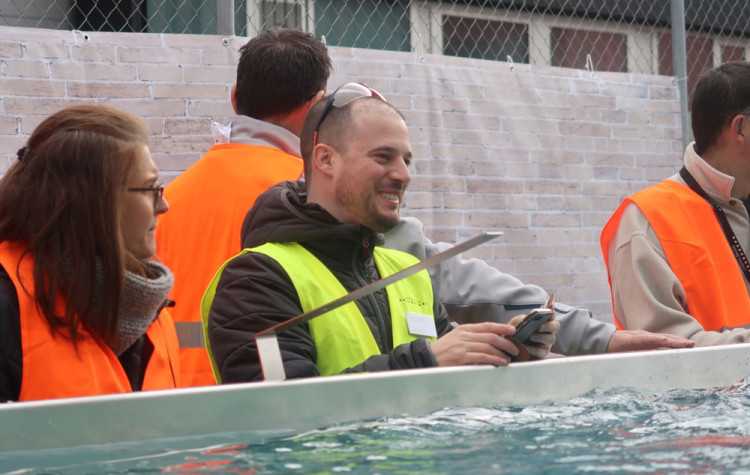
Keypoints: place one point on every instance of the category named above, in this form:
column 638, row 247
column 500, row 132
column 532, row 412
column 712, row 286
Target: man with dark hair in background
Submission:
column 676, row 251
column 281, row 73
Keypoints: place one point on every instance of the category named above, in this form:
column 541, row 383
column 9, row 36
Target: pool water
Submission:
column 622, row 431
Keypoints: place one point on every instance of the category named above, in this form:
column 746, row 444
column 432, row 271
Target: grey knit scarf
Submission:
column 142, row 299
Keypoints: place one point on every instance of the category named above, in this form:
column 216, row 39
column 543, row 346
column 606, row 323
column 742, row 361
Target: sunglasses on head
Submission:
column 342, row 96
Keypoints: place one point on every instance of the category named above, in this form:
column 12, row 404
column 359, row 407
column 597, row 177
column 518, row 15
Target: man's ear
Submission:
column 741, row 128
column 234, row 98
column 323, row 159
column 317, row 97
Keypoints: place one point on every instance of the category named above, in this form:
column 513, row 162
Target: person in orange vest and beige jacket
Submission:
column 281, row 73
column 676, row 251
column 81, row 301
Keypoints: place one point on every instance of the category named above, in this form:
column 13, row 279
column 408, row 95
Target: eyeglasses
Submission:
column 157, row 190
column 342, row 96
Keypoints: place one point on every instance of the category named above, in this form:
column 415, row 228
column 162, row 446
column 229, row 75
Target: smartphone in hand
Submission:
column 531, row 323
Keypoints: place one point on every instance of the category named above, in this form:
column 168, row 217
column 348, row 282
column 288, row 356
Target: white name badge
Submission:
column 421, row 325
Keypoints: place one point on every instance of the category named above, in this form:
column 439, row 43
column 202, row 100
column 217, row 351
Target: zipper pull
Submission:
column 366, row 246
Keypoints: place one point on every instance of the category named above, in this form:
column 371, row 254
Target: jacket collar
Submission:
column 282, row 214
column 716, row 184
column 249, row 131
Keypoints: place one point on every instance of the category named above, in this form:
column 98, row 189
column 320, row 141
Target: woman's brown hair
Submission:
column 61, row 200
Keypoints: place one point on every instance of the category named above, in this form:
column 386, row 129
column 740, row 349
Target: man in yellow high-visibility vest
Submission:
column 309, row 243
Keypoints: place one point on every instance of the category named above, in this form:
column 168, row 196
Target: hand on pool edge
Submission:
column 641, row 340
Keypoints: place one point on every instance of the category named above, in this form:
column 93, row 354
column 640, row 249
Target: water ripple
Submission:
column 622, row 431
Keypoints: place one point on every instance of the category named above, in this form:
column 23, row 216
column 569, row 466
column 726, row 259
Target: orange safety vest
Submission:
column 54, row 368
column 208, row 204
column 697, row 252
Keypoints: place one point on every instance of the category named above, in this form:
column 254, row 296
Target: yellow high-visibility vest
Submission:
column 342, row 337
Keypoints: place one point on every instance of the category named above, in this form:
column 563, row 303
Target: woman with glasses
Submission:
column 81, row 301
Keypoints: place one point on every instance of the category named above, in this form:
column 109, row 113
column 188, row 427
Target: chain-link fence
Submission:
column 600, row 35
column 604, row 35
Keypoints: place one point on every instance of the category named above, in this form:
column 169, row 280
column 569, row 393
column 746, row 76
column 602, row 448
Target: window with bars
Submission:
column 281, row 14
column 373, row 24
column 485, row 39
column 571, row 48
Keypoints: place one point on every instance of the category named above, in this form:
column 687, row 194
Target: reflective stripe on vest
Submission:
column 190, row 334
column 202, row 230
column 342, row 337
column 697, row 252
column 54, row 368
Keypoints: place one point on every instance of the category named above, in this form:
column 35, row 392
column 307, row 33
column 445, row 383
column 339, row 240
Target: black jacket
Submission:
column 254, row 291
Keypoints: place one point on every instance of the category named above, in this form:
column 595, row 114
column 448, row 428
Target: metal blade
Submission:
column 268, row 345
column 269, row 354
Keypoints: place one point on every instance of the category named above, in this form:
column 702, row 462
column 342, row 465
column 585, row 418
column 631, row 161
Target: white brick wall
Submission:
column 544, row 154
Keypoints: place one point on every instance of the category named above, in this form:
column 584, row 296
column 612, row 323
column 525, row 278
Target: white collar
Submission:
column 249, row 131
column 716, row 184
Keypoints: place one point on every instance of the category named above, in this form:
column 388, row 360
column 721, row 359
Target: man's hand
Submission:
column 640, row 340
column 540, row 343
column 475, row 343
